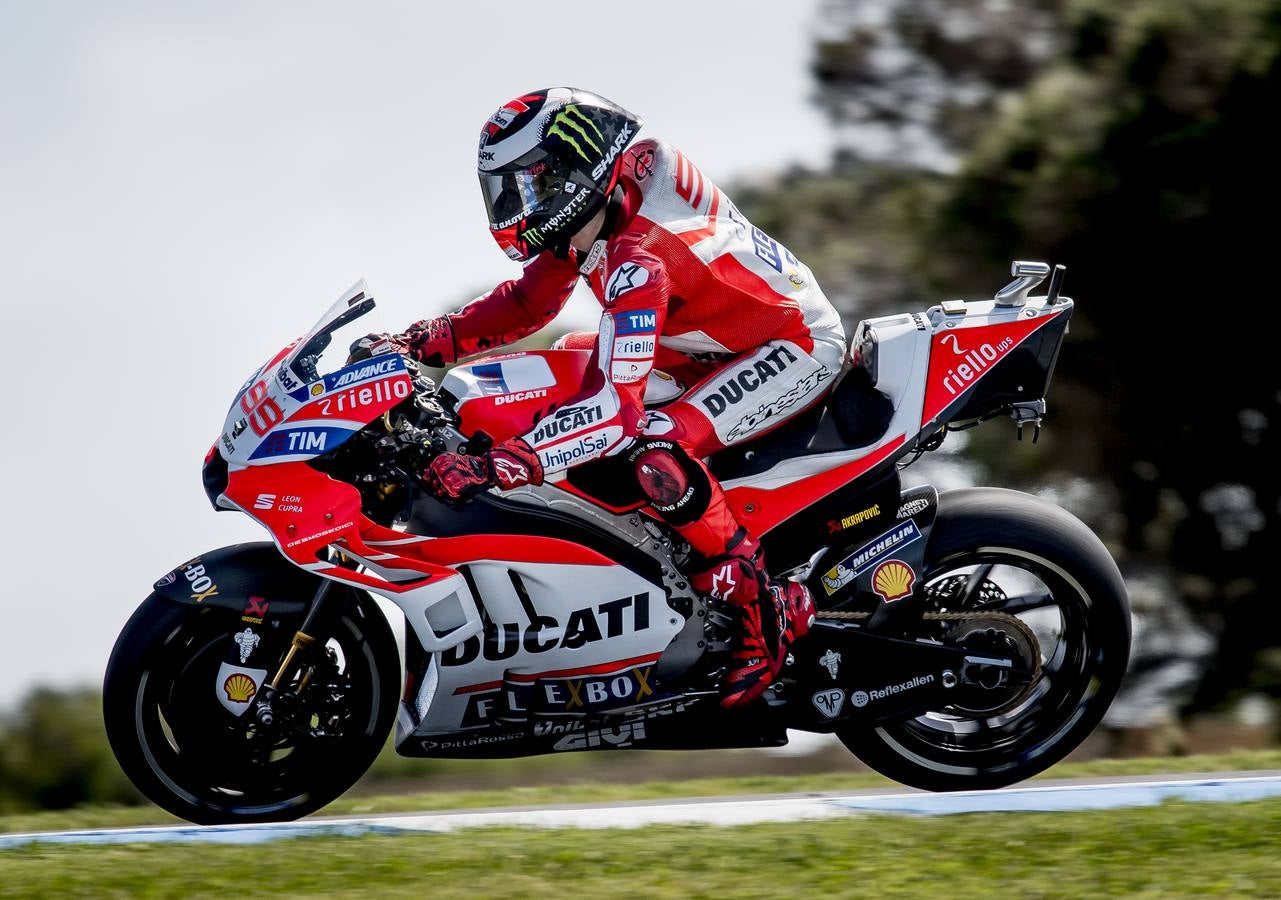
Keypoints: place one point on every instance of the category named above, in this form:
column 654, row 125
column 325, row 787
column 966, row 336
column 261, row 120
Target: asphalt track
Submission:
column 1040, row 796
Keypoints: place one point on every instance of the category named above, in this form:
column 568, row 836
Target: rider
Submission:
column 688, row 285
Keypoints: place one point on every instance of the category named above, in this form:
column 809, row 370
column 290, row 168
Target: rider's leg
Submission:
column 751, row 395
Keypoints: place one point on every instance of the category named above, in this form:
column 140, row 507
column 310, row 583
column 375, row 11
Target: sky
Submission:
column 185, row 187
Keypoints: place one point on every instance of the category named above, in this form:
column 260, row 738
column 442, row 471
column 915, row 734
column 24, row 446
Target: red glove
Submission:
column 511, row 464
column 432, row 341
column 371, row 344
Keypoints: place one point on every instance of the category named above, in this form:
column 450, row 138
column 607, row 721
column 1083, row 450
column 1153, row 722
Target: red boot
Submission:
column 772, row 614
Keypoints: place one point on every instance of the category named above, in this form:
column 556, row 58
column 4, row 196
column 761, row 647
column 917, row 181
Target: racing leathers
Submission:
column 688, row 286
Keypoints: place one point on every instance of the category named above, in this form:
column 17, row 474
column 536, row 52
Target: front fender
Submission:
column 245, row 578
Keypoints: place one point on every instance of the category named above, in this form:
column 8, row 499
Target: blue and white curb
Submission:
column 1070, row 798
column 1057, row 798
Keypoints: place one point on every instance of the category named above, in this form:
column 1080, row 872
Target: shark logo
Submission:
column 571, row 125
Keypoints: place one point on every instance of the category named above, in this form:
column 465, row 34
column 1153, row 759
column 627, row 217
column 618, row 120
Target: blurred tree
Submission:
column 1128, row 140
column 911, row 82
column 54, row 754
column 1137, row 156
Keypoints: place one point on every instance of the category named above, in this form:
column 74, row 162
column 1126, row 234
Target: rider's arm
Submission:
column 511, row 311
column 607, row 415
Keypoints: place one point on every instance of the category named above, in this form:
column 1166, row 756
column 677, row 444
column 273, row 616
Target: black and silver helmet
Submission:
column 548, row 161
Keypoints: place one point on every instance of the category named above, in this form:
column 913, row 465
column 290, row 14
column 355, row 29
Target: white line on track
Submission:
column 1080, row 795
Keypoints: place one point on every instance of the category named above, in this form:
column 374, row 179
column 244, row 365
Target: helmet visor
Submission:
column 513, row 195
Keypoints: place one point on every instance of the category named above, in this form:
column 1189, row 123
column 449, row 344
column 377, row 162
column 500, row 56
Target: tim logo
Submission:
column 489, row 378
column 643, row 321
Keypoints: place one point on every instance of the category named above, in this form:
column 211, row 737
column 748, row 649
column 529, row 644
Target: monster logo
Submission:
column 570, row 125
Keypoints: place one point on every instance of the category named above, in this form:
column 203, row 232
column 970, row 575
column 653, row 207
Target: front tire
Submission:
column 194, row 758
column 1067, row 588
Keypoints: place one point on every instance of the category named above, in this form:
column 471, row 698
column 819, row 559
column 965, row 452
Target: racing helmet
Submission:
column 548, row 161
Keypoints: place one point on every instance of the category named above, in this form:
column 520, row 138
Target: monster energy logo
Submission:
column 577, row 203
column 572, row 119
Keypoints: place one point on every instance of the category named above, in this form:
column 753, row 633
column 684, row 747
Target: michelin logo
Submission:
column 858, row 562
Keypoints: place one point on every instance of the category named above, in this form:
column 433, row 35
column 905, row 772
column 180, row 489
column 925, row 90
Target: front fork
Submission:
column 324, row 608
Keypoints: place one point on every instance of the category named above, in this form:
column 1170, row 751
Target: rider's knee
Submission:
column 677, row 487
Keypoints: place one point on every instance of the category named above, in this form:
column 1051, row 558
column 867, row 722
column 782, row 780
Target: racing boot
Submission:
column 772, row 614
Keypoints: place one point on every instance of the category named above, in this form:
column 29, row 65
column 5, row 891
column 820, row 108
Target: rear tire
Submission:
column 952, row 749
column 194, row 758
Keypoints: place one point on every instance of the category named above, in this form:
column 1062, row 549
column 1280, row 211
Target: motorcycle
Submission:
column 965, row 639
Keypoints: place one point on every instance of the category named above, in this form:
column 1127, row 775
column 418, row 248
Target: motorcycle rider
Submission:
column 687, row 285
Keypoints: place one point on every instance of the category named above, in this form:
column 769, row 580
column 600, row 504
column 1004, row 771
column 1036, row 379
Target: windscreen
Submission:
column 307, row 400
column 324, row 349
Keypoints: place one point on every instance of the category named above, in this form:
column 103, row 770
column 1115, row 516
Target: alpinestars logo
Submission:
column 767, row 411
column 570, row 125
column 509, row 473
column 626, row 277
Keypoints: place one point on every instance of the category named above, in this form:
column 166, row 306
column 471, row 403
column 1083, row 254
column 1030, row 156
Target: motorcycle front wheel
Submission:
column 1008, row 553
column 190, row 755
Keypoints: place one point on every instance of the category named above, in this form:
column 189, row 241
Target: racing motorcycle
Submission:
column 964, row 640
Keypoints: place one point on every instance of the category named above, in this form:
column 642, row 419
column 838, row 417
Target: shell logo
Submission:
column 893, row 579
column 239, row 687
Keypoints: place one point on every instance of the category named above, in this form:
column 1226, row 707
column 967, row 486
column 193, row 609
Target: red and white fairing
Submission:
column 556, row 609
column 592, row 612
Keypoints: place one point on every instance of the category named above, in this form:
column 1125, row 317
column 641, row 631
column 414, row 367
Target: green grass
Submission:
column 603, row 792
column 1179, row 849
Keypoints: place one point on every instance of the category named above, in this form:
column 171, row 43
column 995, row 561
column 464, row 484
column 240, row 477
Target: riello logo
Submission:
column 960, row 375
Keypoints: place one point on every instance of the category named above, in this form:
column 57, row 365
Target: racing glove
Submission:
column 456, row 476
column 431, row 341
column 373, row 344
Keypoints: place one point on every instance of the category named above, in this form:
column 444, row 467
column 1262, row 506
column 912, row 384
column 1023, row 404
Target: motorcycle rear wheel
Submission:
column 195, row 759
column 1072, row 596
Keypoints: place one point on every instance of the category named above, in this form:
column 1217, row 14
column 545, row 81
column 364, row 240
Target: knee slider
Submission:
column 675, row 485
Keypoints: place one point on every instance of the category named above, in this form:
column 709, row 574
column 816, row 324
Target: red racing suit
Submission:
column 689, row 287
